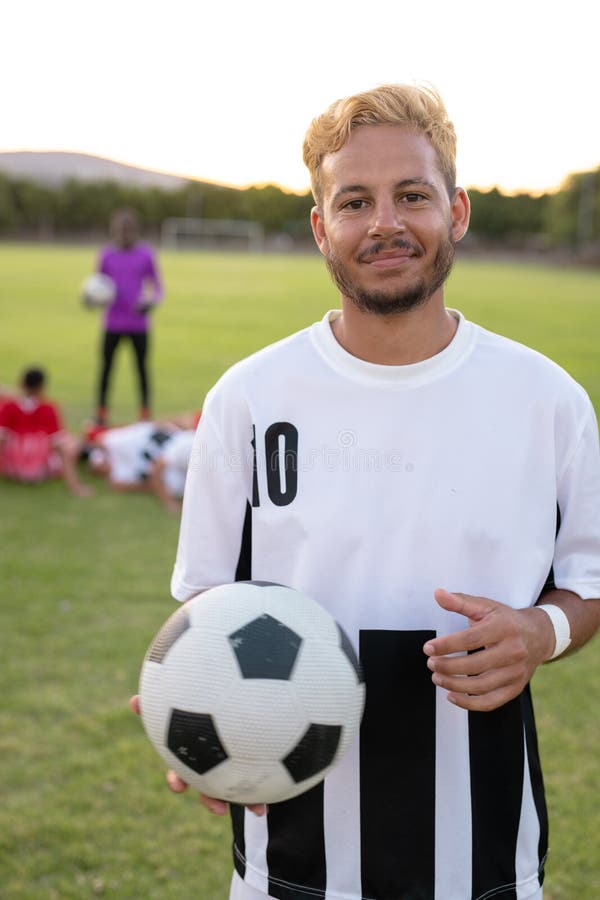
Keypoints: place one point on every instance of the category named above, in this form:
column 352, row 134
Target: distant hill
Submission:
column 54, row 167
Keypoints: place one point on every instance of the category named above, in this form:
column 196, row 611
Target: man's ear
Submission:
column 318, row 230
column 461, row 213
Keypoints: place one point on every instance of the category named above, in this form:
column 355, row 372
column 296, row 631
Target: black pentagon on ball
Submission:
column 265, row 648
column 171, row 631
column 348, row 649
column 193, row 738
column 314, row 751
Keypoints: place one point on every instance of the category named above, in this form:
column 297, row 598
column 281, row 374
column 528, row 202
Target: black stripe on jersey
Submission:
column 537, row 781
column 496, row 755
column 533, row 756
column 243, row 570
column 237, row 814
column 549, row 584
column 296, row 856
column 397, row 767
column 255, row 496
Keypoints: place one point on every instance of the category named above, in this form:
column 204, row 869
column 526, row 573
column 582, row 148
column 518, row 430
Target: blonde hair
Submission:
column 416, row 106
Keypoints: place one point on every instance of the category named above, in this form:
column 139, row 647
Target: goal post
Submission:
column 212, row 234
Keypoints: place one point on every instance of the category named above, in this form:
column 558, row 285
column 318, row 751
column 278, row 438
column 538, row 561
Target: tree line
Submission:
column 569, row 217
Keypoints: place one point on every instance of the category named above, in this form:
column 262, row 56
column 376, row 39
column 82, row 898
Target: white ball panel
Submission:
column 226, row 608
column 270, row 703
column 326, row 683
column 242, row 782
column 249, row 782
column 199, row 658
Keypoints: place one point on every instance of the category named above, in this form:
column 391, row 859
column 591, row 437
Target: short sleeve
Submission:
column 216, row 499
column 577, row 554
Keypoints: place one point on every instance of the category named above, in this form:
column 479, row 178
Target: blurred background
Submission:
column 199, row 111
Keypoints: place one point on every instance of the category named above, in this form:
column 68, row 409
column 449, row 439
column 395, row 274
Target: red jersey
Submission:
column 29, row 429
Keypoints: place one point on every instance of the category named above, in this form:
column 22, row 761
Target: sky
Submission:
column 224, row 91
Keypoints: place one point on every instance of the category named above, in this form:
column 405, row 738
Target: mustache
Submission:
column 394, row 244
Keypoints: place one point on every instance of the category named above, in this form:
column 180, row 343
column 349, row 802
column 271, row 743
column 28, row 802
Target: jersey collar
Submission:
column 407, row 376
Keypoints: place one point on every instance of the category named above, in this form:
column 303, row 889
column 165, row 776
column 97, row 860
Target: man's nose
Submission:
column 387, row 219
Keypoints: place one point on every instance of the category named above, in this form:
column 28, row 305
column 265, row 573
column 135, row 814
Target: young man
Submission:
column 132, row 266
column 437, row 488
column 33, row 443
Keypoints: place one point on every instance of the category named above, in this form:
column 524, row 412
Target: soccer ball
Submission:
column 98, row 291
column 251, row 692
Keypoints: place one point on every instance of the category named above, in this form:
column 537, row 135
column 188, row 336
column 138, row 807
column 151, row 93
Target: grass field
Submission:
column 84, row 810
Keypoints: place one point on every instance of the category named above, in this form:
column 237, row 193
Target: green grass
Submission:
column 84, row 810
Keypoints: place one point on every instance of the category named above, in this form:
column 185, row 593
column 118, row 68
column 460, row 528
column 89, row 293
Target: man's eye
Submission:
column 354, row 204
column 414, row 197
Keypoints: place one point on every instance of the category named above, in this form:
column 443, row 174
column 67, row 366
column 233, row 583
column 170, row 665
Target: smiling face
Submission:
column 386, row 224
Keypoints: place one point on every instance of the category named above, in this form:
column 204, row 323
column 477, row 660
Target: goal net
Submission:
column 212, row 234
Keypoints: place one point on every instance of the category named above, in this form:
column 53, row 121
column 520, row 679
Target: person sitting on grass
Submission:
column 34, row 445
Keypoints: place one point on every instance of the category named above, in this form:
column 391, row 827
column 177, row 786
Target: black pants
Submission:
column 140, row 344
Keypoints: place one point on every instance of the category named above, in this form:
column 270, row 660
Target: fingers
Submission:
column 509, row 653
column 484, row 702
column 467, row 640
column 213, row 805
column 134, row 704
column 503, row 663
column 481, row 615
column 482, row 680
column 259, row 809
column 477, row 685
column 465, row 604
column 220, row 807
column 175, row 783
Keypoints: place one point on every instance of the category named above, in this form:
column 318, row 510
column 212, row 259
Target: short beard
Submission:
column 384, row 303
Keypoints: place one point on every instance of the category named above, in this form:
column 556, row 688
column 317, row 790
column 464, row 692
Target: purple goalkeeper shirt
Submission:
column 136, row 275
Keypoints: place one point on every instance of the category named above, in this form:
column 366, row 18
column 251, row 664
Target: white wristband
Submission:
column 562, row 629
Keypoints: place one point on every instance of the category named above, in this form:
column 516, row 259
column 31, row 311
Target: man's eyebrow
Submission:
column 348, row 189
column 423, row 182
column 400, row 185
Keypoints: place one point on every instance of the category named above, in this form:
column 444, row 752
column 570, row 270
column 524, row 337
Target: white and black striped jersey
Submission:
column 367, row 487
